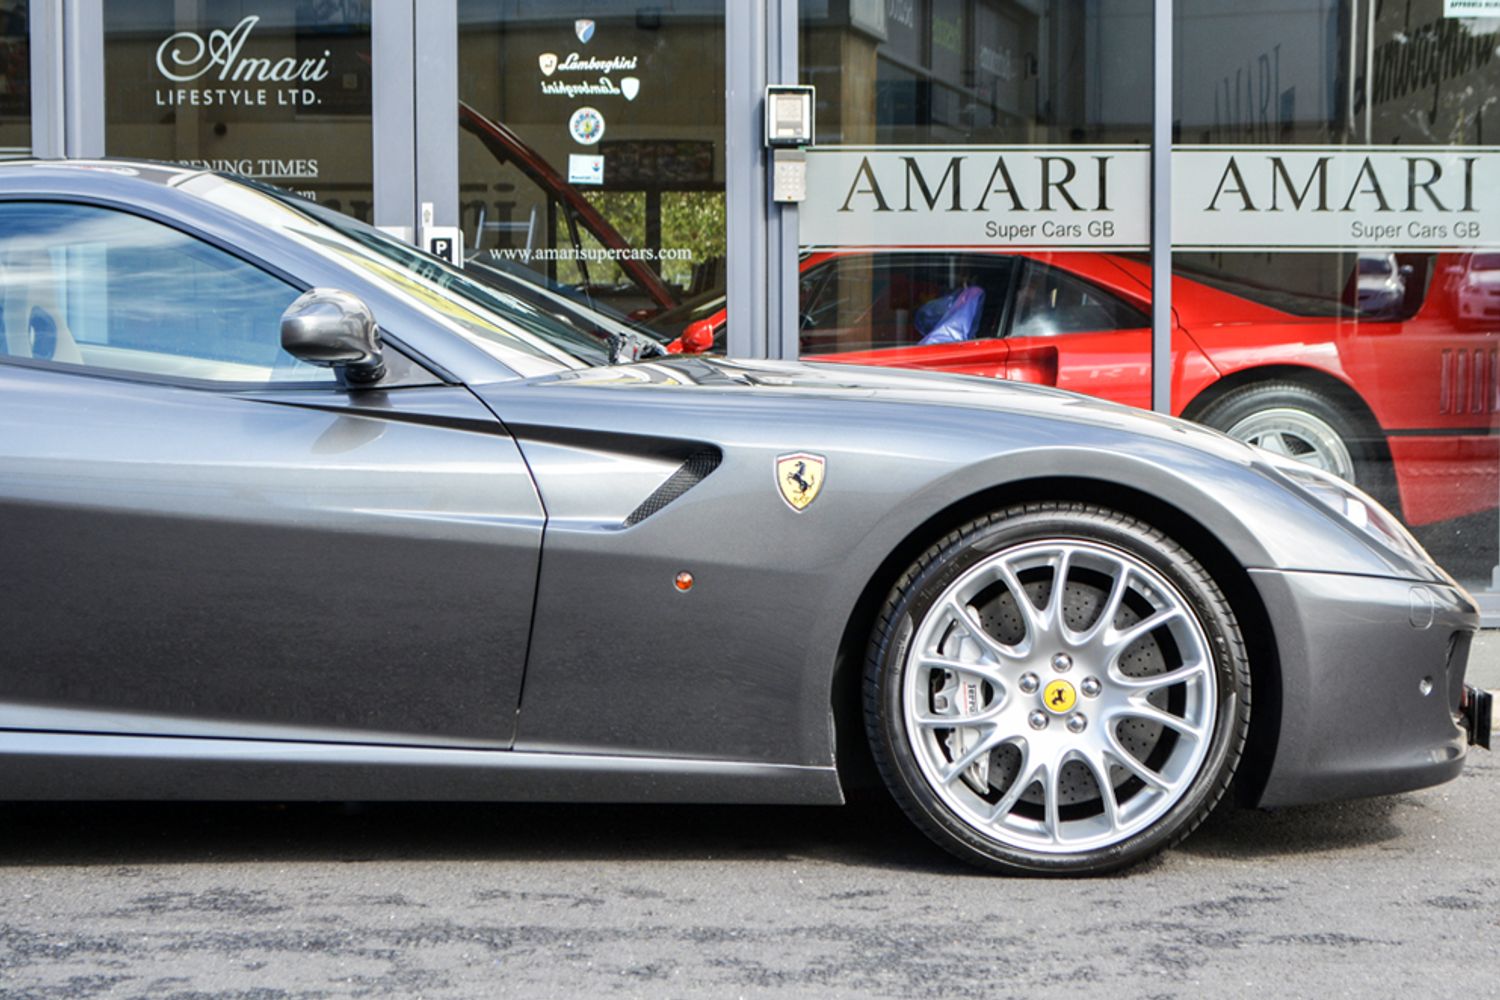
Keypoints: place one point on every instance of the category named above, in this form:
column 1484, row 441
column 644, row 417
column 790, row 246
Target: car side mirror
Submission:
column 328, row 327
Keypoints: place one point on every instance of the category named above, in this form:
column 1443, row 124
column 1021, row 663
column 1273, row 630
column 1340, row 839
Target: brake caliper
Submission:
column 963, row 696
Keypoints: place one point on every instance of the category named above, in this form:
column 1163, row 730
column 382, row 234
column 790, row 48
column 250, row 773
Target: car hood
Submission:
column 804, row 382
column 903, row 444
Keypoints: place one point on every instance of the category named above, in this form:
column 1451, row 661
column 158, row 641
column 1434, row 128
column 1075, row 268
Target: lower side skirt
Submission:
column 69, row 766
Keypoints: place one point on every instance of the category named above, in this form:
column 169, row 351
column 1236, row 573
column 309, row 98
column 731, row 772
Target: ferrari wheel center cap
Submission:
column 1059, row 697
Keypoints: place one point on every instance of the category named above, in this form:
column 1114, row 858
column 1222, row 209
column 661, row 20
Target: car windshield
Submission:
column 672, row 322
column 488, row 314
column 595, row 321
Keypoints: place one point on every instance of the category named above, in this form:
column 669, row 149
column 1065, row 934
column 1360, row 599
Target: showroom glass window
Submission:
column 591, row 150
column 1337, row 238
column 978, row 189
column 277, row 90
column 15, row 79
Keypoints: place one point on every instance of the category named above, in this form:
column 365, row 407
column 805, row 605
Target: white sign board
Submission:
column 1335, row 198
column 1224, row 198
column 585, row 168
column 1471, row 8
column 977, row 197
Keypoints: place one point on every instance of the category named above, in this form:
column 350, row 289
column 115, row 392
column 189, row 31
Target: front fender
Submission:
column 740, row 667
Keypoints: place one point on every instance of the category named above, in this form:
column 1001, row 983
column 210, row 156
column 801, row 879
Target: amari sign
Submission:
column 1337, row 197
column 278, row 90
column 979, row 196
column 216, row 70
column 1224, row 198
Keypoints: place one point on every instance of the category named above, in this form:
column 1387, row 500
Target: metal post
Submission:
column 392, row 128
column 436, row 65
column 1161, row 209
column 745, row 177
column 46, row 24
column 782, row 292
column 83, row 78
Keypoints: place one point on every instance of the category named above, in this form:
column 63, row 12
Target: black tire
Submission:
column 1012, row 533
column 1365, row 445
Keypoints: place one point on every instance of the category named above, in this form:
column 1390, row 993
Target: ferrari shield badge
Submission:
column 799, row 477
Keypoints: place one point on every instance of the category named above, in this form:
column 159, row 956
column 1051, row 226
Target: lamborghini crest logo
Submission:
column 799, row 477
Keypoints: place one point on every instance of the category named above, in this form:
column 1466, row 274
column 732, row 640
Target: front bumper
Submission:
column 1371, row 684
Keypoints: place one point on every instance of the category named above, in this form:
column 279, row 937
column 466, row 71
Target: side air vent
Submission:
column 1470, row 382
column 692, row 472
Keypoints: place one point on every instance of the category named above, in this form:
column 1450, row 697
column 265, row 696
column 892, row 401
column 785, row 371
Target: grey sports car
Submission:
column 290, row 510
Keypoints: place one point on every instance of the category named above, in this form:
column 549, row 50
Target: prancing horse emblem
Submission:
column 799, row 478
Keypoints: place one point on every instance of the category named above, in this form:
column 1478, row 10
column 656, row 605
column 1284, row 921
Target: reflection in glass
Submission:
column 994, row 71
column 276, row 90
column 15, row 79
column 1378, row 360
column 591, row 156
column 1014, row 270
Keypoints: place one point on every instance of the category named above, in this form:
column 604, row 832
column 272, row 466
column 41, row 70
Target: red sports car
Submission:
column 1404, row 407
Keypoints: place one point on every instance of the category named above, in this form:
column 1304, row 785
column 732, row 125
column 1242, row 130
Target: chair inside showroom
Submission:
column 35, row 326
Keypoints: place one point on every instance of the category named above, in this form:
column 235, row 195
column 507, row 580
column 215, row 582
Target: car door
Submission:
column 204, row 536
column 1429, row 367
column 1068, row 329
column 938, row 311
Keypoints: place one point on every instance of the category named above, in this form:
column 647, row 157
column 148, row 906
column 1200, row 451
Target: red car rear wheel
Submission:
column 1309, row 425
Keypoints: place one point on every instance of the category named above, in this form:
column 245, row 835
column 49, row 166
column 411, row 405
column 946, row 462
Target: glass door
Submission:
column 591, row 156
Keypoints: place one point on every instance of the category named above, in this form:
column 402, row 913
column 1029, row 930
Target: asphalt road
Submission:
column 1393, row 897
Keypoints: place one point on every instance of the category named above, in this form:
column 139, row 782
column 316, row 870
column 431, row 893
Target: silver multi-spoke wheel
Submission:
column 1058, row 688
column 1059, row 696
column 1297, row 434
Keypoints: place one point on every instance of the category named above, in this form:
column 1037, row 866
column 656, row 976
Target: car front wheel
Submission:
column 1057, row 688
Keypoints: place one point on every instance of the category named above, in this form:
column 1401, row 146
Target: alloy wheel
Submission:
column 1297, row 434
column 1059, row 696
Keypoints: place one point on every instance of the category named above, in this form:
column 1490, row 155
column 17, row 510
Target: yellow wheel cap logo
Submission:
column 799, row 478
column 1059, row 697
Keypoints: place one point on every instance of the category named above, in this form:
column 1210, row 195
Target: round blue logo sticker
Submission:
column 587, row 126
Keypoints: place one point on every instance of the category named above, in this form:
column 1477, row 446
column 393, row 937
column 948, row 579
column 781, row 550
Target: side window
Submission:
column 103, row 289
column 1052, row 301
column 879, row 301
